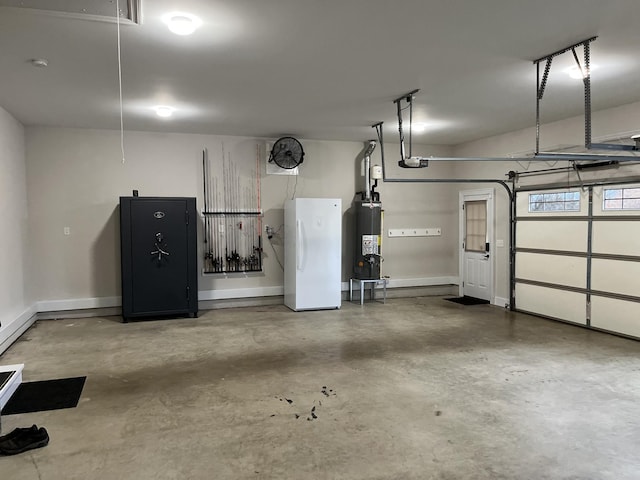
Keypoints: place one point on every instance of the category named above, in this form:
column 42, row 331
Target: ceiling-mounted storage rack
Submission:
column 590, row 147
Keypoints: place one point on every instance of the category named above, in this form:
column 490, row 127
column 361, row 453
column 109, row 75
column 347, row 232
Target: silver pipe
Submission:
column 367, row 178
column 367, row 169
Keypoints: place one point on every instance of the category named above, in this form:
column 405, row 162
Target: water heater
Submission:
column 368, row 210
column 368, row 239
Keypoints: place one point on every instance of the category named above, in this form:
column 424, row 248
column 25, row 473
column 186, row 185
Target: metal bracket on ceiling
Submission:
column 418, row 162
column 408, row 161
column 586, row 73
column 585, row 69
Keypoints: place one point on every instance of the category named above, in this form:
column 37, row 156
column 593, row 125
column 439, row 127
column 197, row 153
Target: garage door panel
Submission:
column 616, row 237
column 616, row 315
column 570, row 306
column 616, row 276
column 568, row 271
column 553, row 235
column 594, row 253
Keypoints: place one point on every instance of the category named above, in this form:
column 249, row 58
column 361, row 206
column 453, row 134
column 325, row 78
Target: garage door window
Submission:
column 621, row 199
column 554, row 202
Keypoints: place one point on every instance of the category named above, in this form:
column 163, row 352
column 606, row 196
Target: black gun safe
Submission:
column 158, row 241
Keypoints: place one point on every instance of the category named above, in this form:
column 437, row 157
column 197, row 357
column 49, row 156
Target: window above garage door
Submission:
column 554, row 202
column 621, row 198
column 616, row 200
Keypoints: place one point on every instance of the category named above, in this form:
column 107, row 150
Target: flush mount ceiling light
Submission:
column 578, row 73
column 182, row 23
column 419, row 127
column 430, row 125
column 39, row 62
column 164, row 111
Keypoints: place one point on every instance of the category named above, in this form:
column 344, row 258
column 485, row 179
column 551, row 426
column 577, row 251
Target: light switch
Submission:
column 67, row 230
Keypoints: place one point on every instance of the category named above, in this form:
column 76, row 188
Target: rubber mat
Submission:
column 468, row 300
column 45, row 395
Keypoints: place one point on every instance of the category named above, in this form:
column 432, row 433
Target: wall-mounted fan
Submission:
column 287, row 152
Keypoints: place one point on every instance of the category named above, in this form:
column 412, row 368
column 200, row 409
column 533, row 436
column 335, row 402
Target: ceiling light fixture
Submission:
column 39, row 62
column 182, row 23
column 419, row 127
column 578, row 73
column 164, row 111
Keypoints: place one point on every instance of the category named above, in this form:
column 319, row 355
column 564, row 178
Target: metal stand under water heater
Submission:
column 368, row 211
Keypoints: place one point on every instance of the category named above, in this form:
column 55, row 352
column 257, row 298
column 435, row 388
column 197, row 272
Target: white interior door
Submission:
column 476, row 240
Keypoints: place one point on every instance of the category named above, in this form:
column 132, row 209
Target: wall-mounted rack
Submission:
column 232, row 218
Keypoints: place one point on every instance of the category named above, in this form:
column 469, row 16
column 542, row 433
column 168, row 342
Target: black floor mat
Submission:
column 468, row 300
column 45, row 395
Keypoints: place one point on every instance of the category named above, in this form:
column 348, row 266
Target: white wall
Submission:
column 14, row 302
column 607, row 125
column 75, row 177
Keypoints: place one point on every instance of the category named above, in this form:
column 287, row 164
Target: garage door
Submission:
column 578, row 256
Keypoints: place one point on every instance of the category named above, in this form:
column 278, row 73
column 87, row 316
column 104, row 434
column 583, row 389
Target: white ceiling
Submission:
column 322, row 69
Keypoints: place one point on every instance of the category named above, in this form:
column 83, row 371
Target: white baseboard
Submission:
column 224, row 294
column 78, row 304
column 12, row 331
column 501, row 302
column 422, row 282
column 413, row 282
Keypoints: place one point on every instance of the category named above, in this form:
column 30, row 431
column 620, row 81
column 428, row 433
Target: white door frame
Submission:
column 487, row 194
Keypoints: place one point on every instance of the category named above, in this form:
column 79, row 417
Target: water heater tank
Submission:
column 368, row 240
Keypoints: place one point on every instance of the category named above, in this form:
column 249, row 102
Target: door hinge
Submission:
column 463, row 206
column 188, row 293
column 186, row 217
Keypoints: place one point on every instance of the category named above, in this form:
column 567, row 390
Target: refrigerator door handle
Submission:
column 299, row 245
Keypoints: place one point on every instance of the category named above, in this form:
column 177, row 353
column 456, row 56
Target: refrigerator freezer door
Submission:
column 317, row 243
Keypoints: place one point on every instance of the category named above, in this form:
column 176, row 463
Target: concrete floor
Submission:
column 419, row 388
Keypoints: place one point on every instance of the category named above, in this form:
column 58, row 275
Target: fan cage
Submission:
column 287, row 153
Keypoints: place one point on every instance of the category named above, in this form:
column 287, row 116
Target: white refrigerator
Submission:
column 312, row 253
